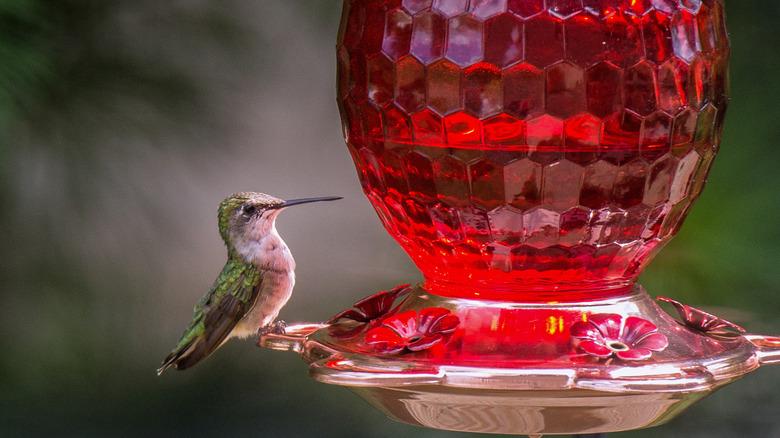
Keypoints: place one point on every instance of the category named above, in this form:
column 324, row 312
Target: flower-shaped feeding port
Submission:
column 704, row 322
column 605, row 335
column 374, row 307
column 368, row 312
column 412, row 330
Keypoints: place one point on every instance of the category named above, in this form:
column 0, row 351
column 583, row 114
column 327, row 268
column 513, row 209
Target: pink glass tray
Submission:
column 514, row 381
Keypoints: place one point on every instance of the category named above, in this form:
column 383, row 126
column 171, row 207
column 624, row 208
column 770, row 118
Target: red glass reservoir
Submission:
column 529, row 149
column 531, row 156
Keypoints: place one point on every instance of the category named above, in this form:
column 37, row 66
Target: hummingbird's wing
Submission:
column 230, row 298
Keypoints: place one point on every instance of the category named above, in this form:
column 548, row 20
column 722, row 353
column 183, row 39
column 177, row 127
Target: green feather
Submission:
column 217, row 313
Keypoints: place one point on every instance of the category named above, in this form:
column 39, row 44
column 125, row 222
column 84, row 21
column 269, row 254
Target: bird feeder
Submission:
column 531, row 157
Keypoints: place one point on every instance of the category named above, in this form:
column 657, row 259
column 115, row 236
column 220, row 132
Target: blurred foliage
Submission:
column 77, row 73
column 83, row 86
column 91, row 88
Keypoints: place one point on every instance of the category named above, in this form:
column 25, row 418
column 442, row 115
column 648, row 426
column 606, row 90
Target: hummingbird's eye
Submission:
column 248, row 210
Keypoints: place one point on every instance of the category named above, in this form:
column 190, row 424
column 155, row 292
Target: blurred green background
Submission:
column 123, row 123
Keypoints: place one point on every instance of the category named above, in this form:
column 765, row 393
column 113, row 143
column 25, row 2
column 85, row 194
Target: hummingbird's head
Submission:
column 249, row 216
column 247, row 213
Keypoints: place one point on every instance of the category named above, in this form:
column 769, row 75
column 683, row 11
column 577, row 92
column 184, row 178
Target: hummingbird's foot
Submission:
column 277, row 328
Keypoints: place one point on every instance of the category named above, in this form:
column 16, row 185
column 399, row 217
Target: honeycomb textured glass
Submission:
column 521, row 145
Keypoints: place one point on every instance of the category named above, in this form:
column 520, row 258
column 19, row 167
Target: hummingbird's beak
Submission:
column 292, row 202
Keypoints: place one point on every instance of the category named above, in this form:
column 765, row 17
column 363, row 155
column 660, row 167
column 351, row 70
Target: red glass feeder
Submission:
column 531, row 157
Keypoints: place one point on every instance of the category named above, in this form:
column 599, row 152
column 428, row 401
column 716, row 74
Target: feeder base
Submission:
column 525, row 368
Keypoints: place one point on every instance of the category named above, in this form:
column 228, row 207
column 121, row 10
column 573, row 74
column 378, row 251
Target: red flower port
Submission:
column 374, row 307
column 703, row 321
column 412, row 330
column 608, row 334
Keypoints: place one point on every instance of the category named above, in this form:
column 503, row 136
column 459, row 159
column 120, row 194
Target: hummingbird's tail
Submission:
column 180, row 360
column 198, row 343
column 168, row 362
column 191, row 351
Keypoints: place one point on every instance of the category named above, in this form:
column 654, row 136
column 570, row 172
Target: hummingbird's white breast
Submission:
column 269, row 253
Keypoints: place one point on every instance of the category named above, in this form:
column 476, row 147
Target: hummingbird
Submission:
column 254, row 285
